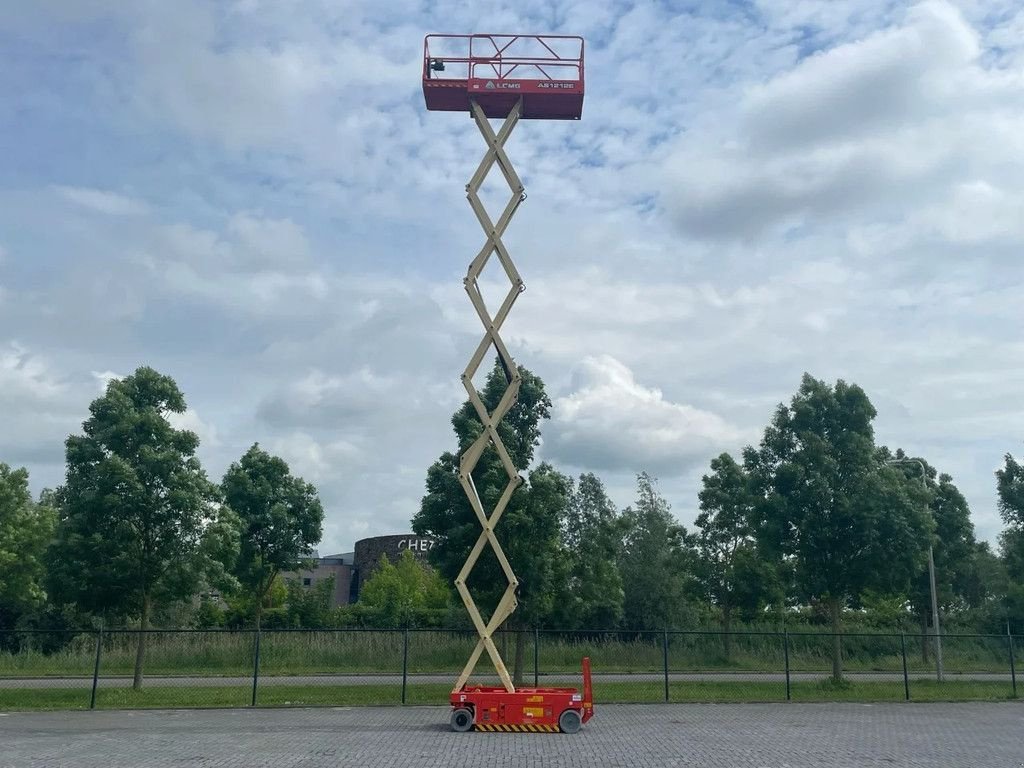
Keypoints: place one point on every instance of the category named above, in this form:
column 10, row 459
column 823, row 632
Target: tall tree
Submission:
column 280, row 520
column 1010, row 486
column 985, row 589
column 134, row 506
column 25, row 532
column 591, row 538
column 529, row 528
column 953, row 542
column 655, row 561
column 309, row 607
column 847, row 522
column 730, row 568
column 1011, row 547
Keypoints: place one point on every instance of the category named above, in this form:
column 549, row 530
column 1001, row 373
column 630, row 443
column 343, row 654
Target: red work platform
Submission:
column 531, row 710
column 546, row 71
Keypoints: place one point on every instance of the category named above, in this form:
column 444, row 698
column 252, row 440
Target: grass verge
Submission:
column 31, row 699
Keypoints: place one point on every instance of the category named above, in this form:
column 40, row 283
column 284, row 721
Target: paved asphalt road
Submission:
column 625, row 736
column 552, row 680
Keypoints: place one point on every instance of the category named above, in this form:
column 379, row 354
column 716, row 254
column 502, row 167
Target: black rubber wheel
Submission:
column 569, row 721
column 462, row 720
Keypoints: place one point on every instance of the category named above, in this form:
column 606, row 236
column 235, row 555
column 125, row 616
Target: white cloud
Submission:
column 39, row 409
column 314, row 460
column 248, row 242
column 191, row 421
column 975, row 212
column 276, row 242
column 23, row 374
column 320, row 400
column 255, row 265
column 830, row 185
column 101, row 201
column 610, row 421
column 875, row 127
column 198, row 247
column 103, row 379
column 259, row 92
column 892, row 77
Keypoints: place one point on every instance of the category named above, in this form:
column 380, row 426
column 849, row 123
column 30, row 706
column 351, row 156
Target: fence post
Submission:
column 664, row 653
column 906, row 677
column 536, row 657
column 785, row 655
column 96, row 668
column 1013, row 666
column 405, row 661
column 256, row 666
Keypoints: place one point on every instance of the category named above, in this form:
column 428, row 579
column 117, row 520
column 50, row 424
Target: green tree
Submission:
column 1010, row 486
column 655, row 561
column 730, row 569
column 529, row 528
column 1011, row 546
column 846, row 521
column 986, row 588
column 953, row 543
column 218, row 552
column 241, row 607
column 591, row 538
column 209, row 614
column 406, row 594
column 134, row 506
column 25, row 532
column 280, row 518
column 309, row 607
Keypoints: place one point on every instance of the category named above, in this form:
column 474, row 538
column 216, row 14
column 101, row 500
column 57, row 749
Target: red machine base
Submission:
column 532, row 710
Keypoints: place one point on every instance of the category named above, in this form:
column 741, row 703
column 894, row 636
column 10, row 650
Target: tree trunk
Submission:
column 264, row 590
column 835, row 607
column 726, row 629
column 517, row 670
column 140, row 651
column 924, row 637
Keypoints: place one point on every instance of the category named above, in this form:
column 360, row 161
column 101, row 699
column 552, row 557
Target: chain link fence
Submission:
column 352, row 667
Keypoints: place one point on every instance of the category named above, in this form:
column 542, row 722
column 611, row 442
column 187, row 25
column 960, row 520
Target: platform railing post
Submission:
column 906, row 677
column 664, row 653
column 785, row 656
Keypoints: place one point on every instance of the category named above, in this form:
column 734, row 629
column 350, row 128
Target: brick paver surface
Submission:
column 749, row 735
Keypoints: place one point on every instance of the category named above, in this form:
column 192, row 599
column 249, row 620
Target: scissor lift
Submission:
column 511, row 77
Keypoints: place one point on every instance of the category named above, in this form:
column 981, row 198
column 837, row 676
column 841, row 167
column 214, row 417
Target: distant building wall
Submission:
column 325, row 568
column 368, row 552
column 351, row 569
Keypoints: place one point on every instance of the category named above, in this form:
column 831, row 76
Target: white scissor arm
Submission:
column 489, row 436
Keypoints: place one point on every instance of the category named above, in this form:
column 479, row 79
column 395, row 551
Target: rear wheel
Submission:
column 569, row 721
column 462, row 720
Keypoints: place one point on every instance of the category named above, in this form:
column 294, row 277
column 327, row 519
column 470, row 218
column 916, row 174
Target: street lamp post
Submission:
column 931, row 575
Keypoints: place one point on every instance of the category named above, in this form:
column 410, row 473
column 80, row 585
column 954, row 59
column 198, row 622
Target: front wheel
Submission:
column 569, row 721
column 462, row 720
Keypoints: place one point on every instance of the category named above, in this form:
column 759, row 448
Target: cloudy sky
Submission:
column 250, row 197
